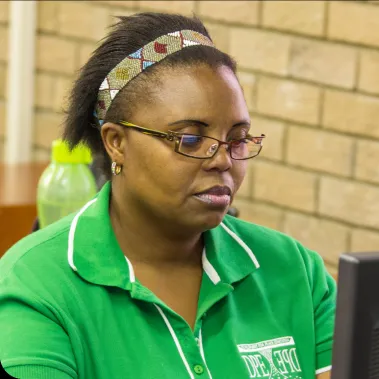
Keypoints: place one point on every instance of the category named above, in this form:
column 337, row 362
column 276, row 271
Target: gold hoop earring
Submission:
column 116, row 169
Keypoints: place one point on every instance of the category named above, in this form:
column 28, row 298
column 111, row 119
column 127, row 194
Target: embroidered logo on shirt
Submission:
column 272, row 359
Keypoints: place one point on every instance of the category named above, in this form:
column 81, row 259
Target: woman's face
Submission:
column 164, row 184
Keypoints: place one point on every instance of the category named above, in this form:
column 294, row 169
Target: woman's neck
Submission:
column 145, row 240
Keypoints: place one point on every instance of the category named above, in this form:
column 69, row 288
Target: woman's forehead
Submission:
column 200, row 80
column 196, row 92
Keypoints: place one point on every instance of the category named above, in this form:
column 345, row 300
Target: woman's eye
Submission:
column 240, row 134
column 191, row 140
column 240, row 142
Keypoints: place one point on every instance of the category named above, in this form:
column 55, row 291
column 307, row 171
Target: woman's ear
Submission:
column 114, row 139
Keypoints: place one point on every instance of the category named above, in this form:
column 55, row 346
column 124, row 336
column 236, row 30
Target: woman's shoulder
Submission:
column 259, row 235
column 38, row 251
column 273, row 248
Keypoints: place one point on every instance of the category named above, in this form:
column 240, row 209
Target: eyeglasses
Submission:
column 204, row 147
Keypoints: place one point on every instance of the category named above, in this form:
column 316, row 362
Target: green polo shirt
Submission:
column 71, row 307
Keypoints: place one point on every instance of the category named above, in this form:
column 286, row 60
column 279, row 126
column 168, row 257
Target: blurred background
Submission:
column 310, row 72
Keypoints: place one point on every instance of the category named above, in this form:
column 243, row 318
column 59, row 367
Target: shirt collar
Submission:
column 94, row 253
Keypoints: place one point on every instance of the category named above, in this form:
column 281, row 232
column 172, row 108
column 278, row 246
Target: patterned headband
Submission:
column 138, row 61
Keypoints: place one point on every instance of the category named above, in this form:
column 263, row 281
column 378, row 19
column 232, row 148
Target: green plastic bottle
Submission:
column 66, row 184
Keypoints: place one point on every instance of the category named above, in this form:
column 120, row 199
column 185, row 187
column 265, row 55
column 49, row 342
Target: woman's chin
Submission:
column 209, row 220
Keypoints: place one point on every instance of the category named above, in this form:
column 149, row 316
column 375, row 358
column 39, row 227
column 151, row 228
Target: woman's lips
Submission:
column 217, row 200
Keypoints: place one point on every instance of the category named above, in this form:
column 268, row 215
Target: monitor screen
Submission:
column 356, row 337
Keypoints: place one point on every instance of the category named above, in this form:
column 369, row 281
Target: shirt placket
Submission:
column 180, row 332
column 192, row 347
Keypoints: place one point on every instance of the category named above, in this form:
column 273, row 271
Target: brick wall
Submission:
column 310, row 71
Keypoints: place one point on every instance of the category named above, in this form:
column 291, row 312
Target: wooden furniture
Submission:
column 18, row 194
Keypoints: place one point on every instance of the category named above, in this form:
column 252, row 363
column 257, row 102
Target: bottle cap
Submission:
column 61, row 153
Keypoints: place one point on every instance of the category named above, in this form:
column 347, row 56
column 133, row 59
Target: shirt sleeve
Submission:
column 33, row 343
column 324, row 305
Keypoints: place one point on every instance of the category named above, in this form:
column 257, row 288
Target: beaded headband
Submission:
column 138, row 61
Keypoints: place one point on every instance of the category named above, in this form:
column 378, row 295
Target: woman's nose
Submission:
column 222, row 160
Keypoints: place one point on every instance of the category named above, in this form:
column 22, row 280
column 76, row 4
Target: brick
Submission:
column 367, row 162
column 4, row 11
column 114, row 13
column 43, row 90
column 319, row 150
column 275, row 132
column 369, row 71
column 353, row 22
column 245, row 191
column 328, row 238
column 332, row 269
column 47, row 16
column 322, row 62
column 260, row 50
column 351, row 113
column 4, row 44
column 289, row 100
column 118, row 3
column 55, row 55
column 82, row 20
column 85, row 52
column 284, row 186
column 305, row 17
column 220, row 35
column 260, row 214
column 3, row 80
column 364, row 241
column 176, row 6
column 61, row 92
column 246, row 12
column 349, row 201
column 47, row 127
column 248, row 83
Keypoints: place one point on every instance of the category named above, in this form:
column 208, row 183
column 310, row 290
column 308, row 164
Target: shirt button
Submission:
column 199, row 369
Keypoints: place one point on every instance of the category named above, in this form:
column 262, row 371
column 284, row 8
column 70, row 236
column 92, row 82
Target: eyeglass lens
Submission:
column 204, row 147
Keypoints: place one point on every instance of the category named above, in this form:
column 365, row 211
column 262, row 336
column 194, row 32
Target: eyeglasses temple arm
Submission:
column 147, row 131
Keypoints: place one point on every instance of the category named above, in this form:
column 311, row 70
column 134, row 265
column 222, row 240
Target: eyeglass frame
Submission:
column 176, row 137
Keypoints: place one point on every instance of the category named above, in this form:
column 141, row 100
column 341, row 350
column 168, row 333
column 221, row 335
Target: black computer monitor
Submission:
column 356, row 339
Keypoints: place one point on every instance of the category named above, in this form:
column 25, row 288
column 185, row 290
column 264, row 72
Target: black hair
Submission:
column 127, row 36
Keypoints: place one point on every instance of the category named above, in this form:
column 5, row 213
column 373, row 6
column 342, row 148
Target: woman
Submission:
column 151, row 279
